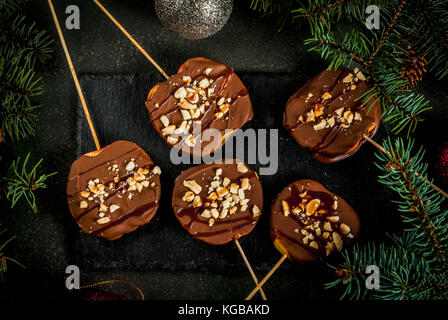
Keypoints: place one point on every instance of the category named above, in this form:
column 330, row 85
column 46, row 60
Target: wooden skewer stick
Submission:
column 139, row 47
column 379, row 147
column 251, row 271
column 75, row 77
column 268, row 275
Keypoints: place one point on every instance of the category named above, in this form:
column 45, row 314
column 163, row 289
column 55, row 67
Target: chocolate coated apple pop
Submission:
column 329, row 117
column 204, row 94
column 114, row 190
column 217, row 203
column 308, row 221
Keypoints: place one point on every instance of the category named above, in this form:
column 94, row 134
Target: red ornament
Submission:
column 103, row 295
column 442, row 163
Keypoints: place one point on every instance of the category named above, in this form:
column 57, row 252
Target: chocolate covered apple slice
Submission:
column 329, row 116
column 114, row 190
column 308, row 221
column 204, row 94
column 217, row 203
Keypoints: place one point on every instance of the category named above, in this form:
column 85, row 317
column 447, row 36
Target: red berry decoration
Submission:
column 442, row 163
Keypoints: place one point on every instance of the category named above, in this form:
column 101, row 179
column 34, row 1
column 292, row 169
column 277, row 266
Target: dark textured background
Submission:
column 161, row 258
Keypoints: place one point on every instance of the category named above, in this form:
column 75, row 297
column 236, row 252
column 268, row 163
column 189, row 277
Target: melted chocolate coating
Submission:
column 333, row 143
column 162, row 102
column 108, row 165
column 226, row 229
column 286, row 231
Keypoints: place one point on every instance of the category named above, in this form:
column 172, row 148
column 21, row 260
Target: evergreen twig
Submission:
column 21, row 182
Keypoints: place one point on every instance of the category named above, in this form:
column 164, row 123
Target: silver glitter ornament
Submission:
column 194, row 19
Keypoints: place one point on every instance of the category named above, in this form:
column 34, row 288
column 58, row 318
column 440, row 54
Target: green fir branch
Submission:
column 21, row 182
column 4, row 259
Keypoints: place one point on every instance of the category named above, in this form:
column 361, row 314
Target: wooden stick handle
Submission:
column 379, row 147
column 139, row 47
column 251, row 271
column 75, row 77
column 268, row 275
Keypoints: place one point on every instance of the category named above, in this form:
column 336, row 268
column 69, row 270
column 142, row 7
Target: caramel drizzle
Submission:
column 80, row 173
column 136, row 212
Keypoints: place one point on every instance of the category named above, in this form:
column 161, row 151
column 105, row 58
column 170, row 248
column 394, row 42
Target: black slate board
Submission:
column 117, row 107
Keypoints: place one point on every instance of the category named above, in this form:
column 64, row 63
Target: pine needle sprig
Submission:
column 420, row 206
column 4, row 259
column 403, row 275
column 21, row 182
column 23, row 46
column 23, row 43
column 18, row 118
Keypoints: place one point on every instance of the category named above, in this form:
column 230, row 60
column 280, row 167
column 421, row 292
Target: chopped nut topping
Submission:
column 234, row 188
column 348, row 115
column 206, row 214
column 314, row 245
column 165, row 121
column 184, row 104
column 326, row 96
column 318, row 110
column 245, row 185
column 359, row 74
column 169, row 130
column 204, row 83
column 171, row 140
column 215, row 213
column 83, row 204
column 197, row 202
column 193, row 186
column 335, row 204
column 185, row 115
column 85, row 194
column 157, row 170
column 312, row 206
column 114, row 208
column 348, row 78
column 180, row 93
column 337, row 241
column 331, row 122
column 321, row 125
column 242, row 168
column 188, row 196
column 339, row 111
column 310, row 116
column 329, row 248
column 285, row 207
column 103, row 207
column 345, row 229
column 256, row 211
column 222, row 191
column 333, row 219
column 327, row 226
column 226, row 182
column 103, row 220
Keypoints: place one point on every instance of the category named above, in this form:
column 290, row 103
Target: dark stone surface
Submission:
column 161, row 258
